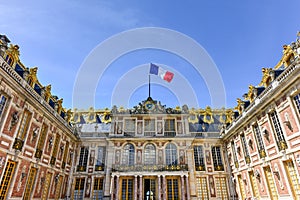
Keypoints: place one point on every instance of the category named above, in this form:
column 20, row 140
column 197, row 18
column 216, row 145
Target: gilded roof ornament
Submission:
column 58, row 105
column 14, row 52
column 68, row 115
column 32, row 78
column 193, row 118
column 229, row 116
column 251, row 93
column 240, row 106
column 91, row 116
column 267, row 78
column 106, row 117
column 288, row 55
column 208, row 117
column 46, row 92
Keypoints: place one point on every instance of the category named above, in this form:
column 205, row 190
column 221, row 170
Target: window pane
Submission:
column 149, row 154
column 171, row 154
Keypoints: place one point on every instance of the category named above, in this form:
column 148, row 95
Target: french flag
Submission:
column 164, row 74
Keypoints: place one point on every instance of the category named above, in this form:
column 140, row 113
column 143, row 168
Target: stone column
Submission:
column 135, row 187
column 159, row 187
column 141, row 187
column 164, row 187
column 182, row 188
column 187, row 187
column 117, row 187
column 112, row 191
column 108, row 168
column 190, row 158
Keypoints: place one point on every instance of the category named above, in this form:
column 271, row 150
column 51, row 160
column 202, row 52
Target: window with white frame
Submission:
column 128, row 155
column 235, row 160
column 149, row 154
column 149, row 127
column 101, row 155
column 129, row 127
column 217, row 158
column 171, row 154
column 281, row 143
column 259, row 141
column 3, row 101
column 199, row 158
column 245, row 148
column 297, row 102
column 169, row 128
column 83, row 158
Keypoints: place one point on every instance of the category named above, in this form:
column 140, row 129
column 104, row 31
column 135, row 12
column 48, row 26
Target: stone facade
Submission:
column 149, row 151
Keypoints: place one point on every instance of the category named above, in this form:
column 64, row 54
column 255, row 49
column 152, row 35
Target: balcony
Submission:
column 18, row 144
column 282, row 145
column 81, row 168
column 262, row 153
column 99, row 167
column 219, row 167
column 38, row 153
column 130, row 168
column 200, row 168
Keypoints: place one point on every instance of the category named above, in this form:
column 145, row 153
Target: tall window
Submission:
column 29, row 184
column 24, row 125
column 3, row 101
column 58, row 188
column 41, row 142
column 6, row 178
column 221, row 188
column 100, row 158
column 129, row 128
column 98, row 189
column 281, row 143
column 149, row 127
column 79, row 188
column 55, row 149
column 172, row 189
column 296, row 100
column 171, row 154
column 19, row 141
column 128, row 155
column 66, row 152
column 127, row 189
column 217, row 158
column 199, row 158
column 202, row 188
column 149, row 155
column 83, row 158
column 259, row 141
column 246, row 150
column 236, row 162
column 169, row 127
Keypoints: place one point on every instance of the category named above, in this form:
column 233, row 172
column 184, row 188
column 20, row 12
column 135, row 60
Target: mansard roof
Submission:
column 23, row 74
column 271, row 78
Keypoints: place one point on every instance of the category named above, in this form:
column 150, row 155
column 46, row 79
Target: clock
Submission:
column 149, row 105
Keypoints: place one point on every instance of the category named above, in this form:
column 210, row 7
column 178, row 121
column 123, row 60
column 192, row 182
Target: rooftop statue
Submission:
column 288, row 55
column 267, row 77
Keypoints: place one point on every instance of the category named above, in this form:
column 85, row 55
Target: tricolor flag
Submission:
column 164, row 74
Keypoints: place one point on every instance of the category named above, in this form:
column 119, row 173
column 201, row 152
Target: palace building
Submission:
column 150, row 151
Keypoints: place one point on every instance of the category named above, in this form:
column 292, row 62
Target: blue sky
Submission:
column 240, row 37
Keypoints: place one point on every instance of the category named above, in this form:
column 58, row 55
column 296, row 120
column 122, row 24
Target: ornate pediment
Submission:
column 148, row 106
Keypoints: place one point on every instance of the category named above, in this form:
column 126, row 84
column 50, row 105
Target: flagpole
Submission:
column 149, row 85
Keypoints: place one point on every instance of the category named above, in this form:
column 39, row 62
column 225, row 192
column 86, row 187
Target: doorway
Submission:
column 149, row 189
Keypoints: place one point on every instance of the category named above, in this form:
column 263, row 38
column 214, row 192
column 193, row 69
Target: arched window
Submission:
column 128, row 154
column 149, row 154
column 171, row 154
